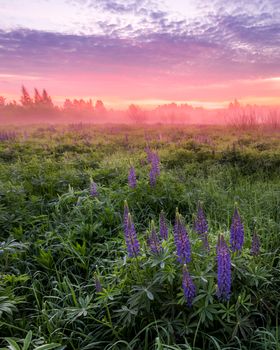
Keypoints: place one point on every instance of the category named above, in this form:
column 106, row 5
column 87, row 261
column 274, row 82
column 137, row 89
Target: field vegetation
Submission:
column 86, row 262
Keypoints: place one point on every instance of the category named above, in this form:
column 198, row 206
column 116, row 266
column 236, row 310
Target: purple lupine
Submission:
column 224, row 269
column 93, row 190
column 132, row 243
column 188, row 286
column 256, row 244
column 201, row 226
column 153, row 177
column 155, row 163
column 236, row 232
column 155, row 169
column 163, row 230
column 153, row 240
column 132, row 177
column 182, row 241
column 98, row 286
column 125, row 216
column 149, row 154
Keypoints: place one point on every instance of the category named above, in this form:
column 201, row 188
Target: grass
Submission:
column 56, row 238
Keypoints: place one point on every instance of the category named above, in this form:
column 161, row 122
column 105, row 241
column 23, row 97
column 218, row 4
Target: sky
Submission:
column 204, row 52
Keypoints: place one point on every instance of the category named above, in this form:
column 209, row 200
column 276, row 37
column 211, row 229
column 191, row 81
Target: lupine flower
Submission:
column 132, row 243
column 149, row 154
column 98, row 286
column 125, row 216
column 132, row 177
column 201, row 226
column 236, row 232
column 188, row 286
column 155, row 163
column 155, row 169
column 153, row 240
column 93, row 190
column 255, row 248
column 153, row 177
column 182, row 241
column 224, row 269
column 163, row 230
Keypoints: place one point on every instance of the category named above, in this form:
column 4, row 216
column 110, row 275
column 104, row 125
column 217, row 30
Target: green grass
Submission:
column 57, row 238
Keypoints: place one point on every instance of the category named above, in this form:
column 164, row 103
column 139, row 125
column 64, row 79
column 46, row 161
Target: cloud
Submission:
column 153, row 51
column 225, row 48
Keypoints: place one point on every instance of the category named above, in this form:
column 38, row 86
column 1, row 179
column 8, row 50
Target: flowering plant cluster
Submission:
column 183, row 247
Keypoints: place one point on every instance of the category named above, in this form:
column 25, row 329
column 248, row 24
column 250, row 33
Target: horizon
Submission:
column 153, row 105
column 203, row 53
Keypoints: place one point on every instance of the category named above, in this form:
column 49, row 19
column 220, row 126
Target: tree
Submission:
column 25, row 99
column 136, row 114
column 2, row 102
column 46, row 99
column 99, row 106
column 67, row 105
column 37, row 98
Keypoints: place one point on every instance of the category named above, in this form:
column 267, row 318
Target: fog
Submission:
column 40, row 109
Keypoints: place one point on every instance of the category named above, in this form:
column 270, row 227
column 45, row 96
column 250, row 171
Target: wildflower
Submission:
column 155, row 169
column 132, row 177
column 188, row 286
column 224, row 269
column 153, row 240
column 182, row 241
column 255, row 248
column 236, row 232
column 201, row 226
column 155, row 163
column 132, row 243
column 149, row 154
column 98, row 286
column 125, row 216
column 93, row 190
column 153, row 177
column 163, row 230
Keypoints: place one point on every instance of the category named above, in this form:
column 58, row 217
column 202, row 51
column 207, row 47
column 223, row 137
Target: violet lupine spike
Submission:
column 155, row 169
column 236, row 232
column 132, row 243
column 201, row 226
column 182, row 241
column 125, row 216
column 153, row 240
column 132, row 177
column 163, row 230
column 153, row 177
column 93, row 190
column 224, row 269
column 149, row 154
column 155, row 163
column 188, row 286
column 256, row 244
column 98, row 286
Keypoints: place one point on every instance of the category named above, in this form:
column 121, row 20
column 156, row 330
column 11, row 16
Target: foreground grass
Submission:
column 57, row 238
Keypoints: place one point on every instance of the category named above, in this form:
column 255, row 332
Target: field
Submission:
column 68, row 280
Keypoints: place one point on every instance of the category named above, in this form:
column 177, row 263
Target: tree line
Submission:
column 42, row 102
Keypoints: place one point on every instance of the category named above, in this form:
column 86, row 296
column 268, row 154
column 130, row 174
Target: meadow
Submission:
column 82, row 270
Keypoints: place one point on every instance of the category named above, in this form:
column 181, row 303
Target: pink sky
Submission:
column 201, row 52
